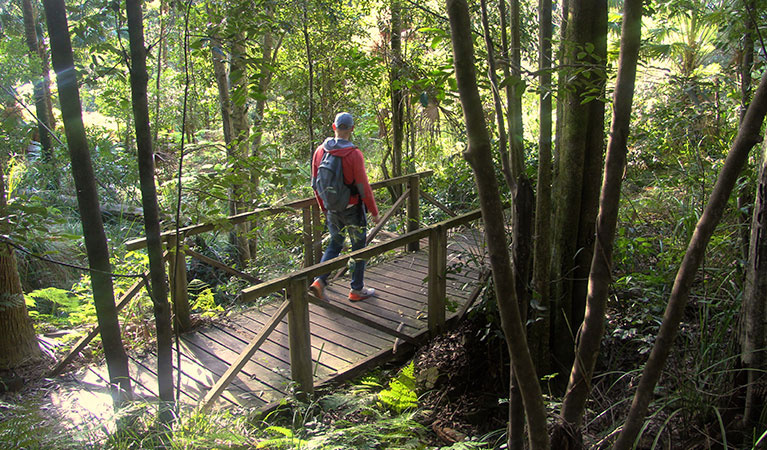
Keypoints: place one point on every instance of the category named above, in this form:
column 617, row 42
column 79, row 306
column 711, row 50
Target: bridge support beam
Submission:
column 437, row 278
column 306, row 213
column 413, row 212
column 178, row 283
column 317, row 229
column 300, row 339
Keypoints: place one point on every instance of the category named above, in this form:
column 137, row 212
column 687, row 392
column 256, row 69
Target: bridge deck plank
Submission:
column 339, row 345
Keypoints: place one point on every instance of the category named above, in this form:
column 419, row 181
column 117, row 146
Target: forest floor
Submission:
column 462, row 382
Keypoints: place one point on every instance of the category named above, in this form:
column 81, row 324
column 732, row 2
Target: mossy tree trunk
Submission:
column 579, row 386
column 578, row 173
column 540, row 316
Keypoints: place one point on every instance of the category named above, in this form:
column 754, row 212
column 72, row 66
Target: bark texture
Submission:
column 397, row 110
column 87, row 199
column 479, row 156
column 748, row 136
column 579, row 386
column 754, row 308
column 499, row 116
column 539, row 329
column 159, row 282
column 41, row 88
column 576, row 185
column 240, row 149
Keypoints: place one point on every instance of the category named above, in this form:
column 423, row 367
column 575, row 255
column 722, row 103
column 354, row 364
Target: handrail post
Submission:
column 437, row 278
column 300, row 339
column 413, row 212
column 306, row 214
column 317, row 232
column 178, row 283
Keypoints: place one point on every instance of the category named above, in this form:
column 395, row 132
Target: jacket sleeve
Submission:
column 316, row 157
column 363, row 185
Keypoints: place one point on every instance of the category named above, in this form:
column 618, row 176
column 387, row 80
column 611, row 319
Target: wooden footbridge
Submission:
column 290, row 342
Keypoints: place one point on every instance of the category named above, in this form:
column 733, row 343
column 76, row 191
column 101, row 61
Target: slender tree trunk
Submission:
column 159, row 283
column 310, row 67
column 745, row 200
column 37, row 52
column 478, row 154
column 88, row 202
column 539, row 329
column 499, row 116
column 748, row 136
column 579, row 387
column 396, row 89
column 160, row 63
column 522, row 229
column 222, row 83
column 506, row 164
column 239, row 84
column 523, row 200
column 516, row 138
column 754, row 308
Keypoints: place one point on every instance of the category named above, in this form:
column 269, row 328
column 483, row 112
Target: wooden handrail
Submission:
column 192, row 230
column 269, row 287
column 244, row 357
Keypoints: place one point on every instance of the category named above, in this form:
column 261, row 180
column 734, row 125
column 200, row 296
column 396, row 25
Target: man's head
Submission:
column 343, row 125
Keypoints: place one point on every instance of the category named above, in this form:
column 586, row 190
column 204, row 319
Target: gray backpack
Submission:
column 329, row 183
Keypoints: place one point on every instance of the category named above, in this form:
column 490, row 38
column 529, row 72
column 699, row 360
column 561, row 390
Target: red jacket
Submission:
column 353, row 164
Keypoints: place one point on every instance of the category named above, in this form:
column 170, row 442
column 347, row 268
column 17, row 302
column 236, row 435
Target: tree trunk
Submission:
column 159, row 283
column 522, row 238
column 479, row 156
column 88, row 202
column 396, row 90
column 592, row 168
column 41, row 85
column 754, row 308
column 747, row 137
column 539, row 329
column 238, row 83
column 514, row 91
column 579, row 386
column 310, row 68
column 18, row 341
column 575, row 196
column 160, row 63
column 500, row 120
column 745, row 201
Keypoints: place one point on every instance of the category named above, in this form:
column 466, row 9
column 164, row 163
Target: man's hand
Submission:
column 376, row 219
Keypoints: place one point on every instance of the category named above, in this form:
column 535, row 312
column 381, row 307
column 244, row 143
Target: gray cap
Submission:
column 344, row 121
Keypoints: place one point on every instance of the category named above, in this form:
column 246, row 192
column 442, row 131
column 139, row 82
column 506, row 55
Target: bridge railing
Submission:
column 297, row 299
column 312, row 228
column 311, row 236
column 294, row 285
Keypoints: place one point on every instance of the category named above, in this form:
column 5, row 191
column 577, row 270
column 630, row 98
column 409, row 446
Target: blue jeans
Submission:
column 353, row 221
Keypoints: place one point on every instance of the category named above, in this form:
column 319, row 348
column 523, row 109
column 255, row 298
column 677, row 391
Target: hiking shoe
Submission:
column 356, row 295
column 318, row 289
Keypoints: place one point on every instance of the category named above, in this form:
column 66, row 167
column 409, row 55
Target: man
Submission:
column 352, row 219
